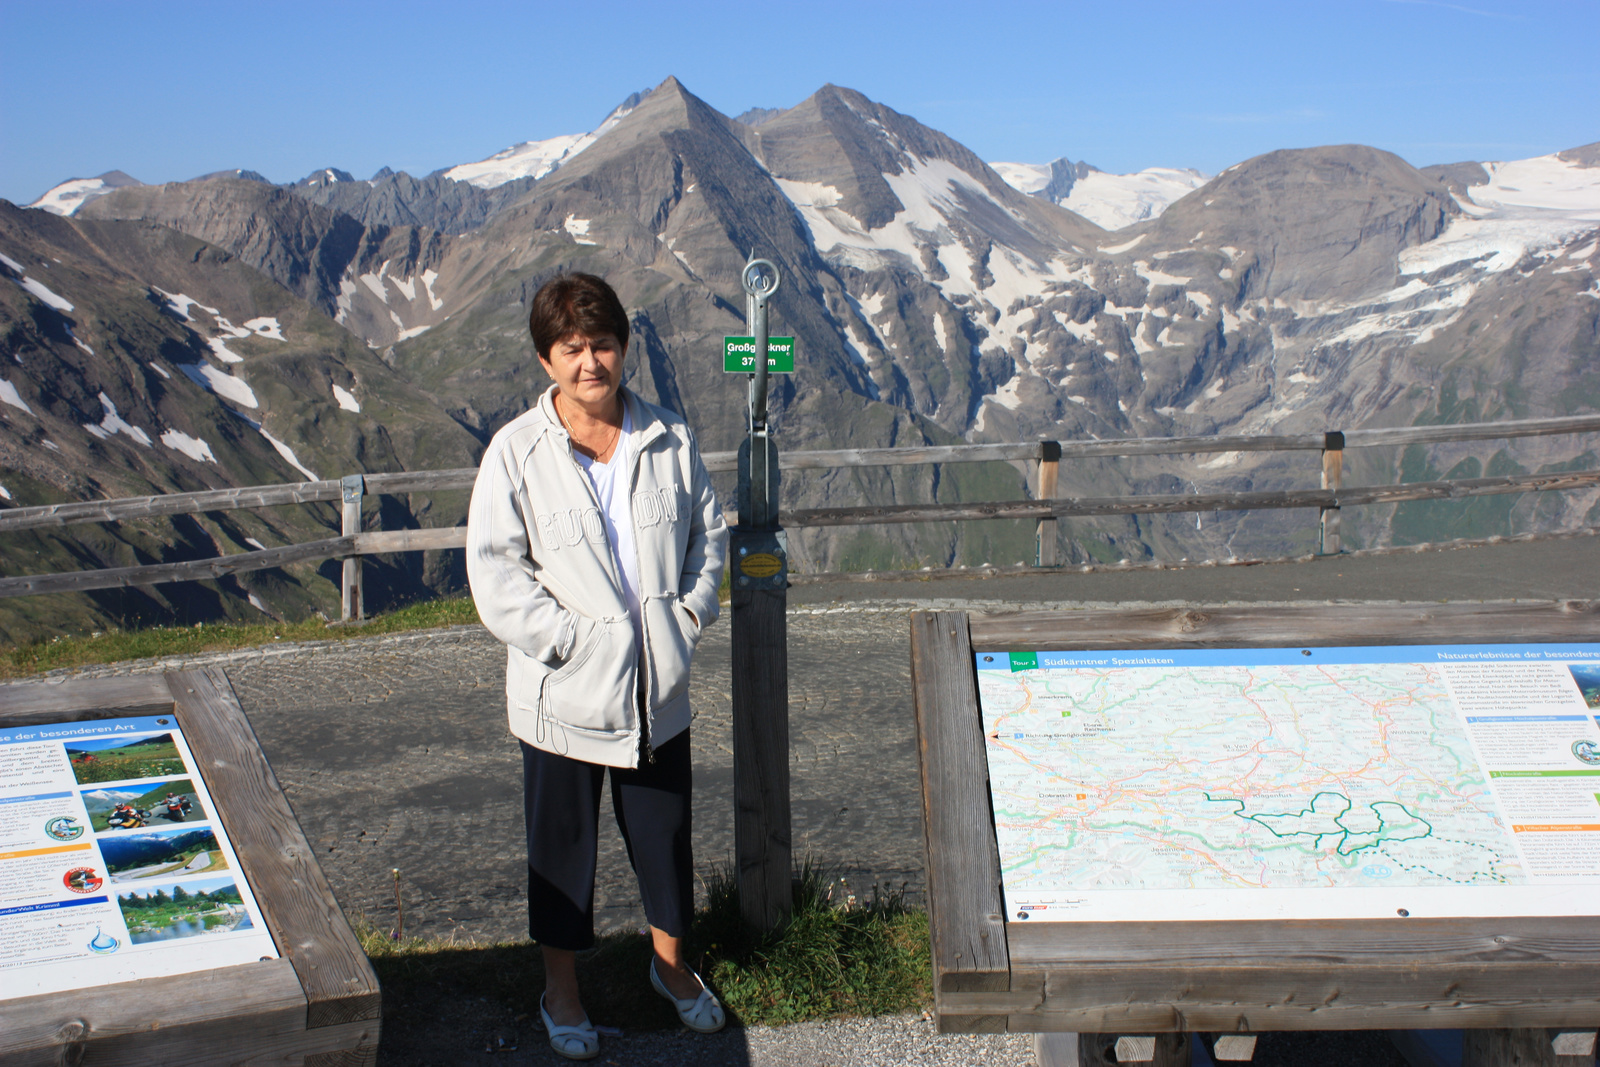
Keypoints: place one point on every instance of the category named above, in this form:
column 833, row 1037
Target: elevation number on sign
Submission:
column 739, row 355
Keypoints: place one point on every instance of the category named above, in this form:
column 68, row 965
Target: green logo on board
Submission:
column 1024, row 661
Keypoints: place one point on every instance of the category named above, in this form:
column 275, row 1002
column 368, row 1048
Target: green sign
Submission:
column 739, row 355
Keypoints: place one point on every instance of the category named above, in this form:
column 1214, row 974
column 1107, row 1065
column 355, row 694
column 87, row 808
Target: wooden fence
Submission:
column 1046, row 507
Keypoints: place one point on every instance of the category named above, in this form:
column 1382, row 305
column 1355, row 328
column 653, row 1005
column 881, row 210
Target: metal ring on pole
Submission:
column 761, row 278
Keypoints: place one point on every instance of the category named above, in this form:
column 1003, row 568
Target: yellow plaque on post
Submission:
column 760, row 565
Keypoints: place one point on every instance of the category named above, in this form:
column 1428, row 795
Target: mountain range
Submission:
column 227, row 331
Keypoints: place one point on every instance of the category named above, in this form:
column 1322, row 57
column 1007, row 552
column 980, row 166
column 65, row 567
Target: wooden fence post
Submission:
column 1046, row 553
column 1332, row 478
column 351, row 606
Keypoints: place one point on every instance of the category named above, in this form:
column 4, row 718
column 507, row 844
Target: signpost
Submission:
column 739, row 355
column 759, row 576
column 1235, row 820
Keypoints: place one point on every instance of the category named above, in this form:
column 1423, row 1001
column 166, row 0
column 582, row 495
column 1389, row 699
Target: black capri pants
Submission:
column 561, row 802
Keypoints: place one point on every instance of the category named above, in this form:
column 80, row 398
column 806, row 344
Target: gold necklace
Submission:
column 592, row 453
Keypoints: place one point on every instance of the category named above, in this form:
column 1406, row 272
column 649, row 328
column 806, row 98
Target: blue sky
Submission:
column 171, row 91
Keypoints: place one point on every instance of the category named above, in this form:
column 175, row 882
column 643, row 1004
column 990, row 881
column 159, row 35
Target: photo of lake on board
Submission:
column 1587, row 675
column 184, row 909
column 167, row 852
column 135, row 807
column 114, row 759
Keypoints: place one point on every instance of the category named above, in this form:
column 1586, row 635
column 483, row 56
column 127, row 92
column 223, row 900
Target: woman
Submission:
column 595, row 547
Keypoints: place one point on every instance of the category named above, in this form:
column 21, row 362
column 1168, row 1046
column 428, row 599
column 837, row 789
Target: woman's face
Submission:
column 587, row 370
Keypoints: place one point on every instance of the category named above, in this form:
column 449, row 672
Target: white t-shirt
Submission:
column 610, row 481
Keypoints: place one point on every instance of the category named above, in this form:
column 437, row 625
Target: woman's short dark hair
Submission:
column 575, row 304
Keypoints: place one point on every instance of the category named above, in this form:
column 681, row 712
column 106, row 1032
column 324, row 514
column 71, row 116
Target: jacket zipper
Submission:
column 644, row 624
column 646, row 749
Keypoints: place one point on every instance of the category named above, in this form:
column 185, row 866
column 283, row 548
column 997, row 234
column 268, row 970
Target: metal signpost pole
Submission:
column 759, row 577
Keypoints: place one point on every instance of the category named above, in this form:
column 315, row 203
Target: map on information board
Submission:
column 1295, row 782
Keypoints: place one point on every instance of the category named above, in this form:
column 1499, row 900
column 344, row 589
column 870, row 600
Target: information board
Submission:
column 113, row 862
column 1295, row 783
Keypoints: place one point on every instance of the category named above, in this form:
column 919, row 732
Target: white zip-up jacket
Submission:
column 546, row 583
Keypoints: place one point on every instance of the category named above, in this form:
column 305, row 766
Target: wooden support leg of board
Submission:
column 1056, row 1050
column 1230, row 1048
column 1105, row 1050
column 360, row 1057
column 1536, row 1047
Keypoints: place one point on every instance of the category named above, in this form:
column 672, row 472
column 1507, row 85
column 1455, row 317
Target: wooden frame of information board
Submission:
column 317, row 1004
column 1217, row 976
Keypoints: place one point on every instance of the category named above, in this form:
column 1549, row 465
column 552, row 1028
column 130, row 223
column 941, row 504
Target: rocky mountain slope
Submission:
column 936, row 298
column 142, row 360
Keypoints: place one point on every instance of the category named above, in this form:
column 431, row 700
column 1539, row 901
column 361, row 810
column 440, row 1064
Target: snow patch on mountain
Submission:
column 180, row 304
column 578, row 229
column 1118, row 200
column 1126, row 246
column 534, row 159
column 530, row 159
column 220, row 382
column 44, row 294
column 9, row 395
column 219, row 348
column 374, row 282
column 69, row 196
column 266, row 326
column 1528, row 206
column 288, row 454
column 13, row 264
column 1024, row 177
column 193, row 447
column 347, row 290
column 346, row 399
column 113, row 423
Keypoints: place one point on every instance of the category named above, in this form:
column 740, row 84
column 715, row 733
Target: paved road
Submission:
column 394, row 753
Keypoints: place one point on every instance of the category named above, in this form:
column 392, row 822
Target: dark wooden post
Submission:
column 1332, row 478
column 761, row 826
column 758, row 565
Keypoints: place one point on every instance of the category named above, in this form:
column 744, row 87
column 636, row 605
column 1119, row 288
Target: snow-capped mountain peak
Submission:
column 72, row 194
column 1511, row 210
column 535, row 159
column 1109, row 200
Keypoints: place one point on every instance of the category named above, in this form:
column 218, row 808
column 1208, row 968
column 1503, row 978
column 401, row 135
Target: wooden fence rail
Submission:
column 1046, row 507
column 329, row 489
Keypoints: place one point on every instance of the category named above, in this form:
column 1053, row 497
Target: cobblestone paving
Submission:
column 395, row 755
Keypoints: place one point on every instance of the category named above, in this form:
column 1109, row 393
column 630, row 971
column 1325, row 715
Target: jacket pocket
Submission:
column 594, row 689
column 671, row 635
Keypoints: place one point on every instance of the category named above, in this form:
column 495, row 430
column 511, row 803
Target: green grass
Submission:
column 837, row 956
column 114, row 646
